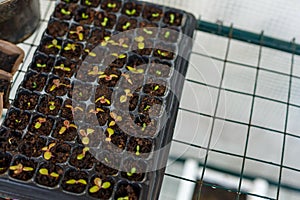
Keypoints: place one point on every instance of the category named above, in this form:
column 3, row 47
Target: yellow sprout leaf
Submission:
column 110, row 131
column 62, row 130
column 43, row 171
column 47, row 155
column 89, row 131
column 82, row 181
column 55, row 175
column 85, row 140
column 71, row 181
column 112, row 123
column 80, row 156
column 27, row 169
column 106, row 185
column 98, row 182
column 94, row 189
column 123, row 98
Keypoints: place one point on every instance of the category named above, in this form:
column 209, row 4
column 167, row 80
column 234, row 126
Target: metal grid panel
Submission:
column 239, row 114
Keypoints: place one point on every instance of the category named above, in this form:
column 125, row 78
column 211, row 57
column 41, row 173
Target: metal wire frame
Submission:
column 231, row 33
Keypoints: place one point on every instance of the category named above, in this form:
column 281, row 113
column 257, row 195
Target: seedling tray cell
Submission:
column 65, row 135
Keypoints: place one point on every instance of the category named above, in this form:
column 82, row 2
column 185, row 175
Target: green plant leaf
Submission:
column 85, row 140
column 47, row 155
column 82, row 181
column 106, row 185
column 71, row 182
column 55, row 175
column 44, row 171
column 62, row 130
column 37, row 125
column 94, row 189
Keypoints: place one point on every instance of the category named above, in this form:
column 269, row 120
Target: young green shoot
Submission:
column 65, row 12
column 126, row 26
column 158, row 72
column 96, row 111
column 66, row 126
column 155, row 15
column 54, row 44
column 132, row 172
column 137, row 150
column 19, row 168
column 121, row 56
column 144, row 126
column 73, row 181
column 52, row 105
column 74, row 109
column 102, row 100
column 147, row 107
column 70, row 47
column 124, row 98
column 172, row 18
column 57, row 84
column 140, row 41
column 47, row 149
column 107, row 77
column 87, row 2
column 105, row 20
column 110, row 132
column 127, row 77
column 149, row 32
column 78, row 32
column 162, row 53
column 130, row 12
column 82, row 155
column 123, row 198
column 63, row 68
column 85, row 139
column 156, row 87
column 135, row 70
column 39, row 123
column 45, row 172
column 167, row 34
column 34, row 85
column 92, row 54
column 98, row 185
column 41, row 65
column 84, row 16
column 111, row 5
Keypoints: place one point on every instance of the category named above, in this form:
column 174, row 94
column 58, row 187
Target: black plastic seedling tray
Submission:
column 63, row 136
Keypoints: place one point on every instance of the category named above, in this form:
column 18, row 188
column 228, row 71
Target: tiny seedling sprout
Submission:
column 34, row 85
column 126, row 26
column 63, row 68
column 132, row 171
column 111, row 5
column 172, row 18
column 39, row 122
column 45, row 172
column 99, row 185
column 54, row 44
column 130, row 12
column 87, row 2
column 167, row 34
column 135, row 70
column 82, row 155
column 65, row 12
column 110, row 132
column 78, row 32
column 85, row 139
column 105, row 20
column 41, row 65
column 73, row 181
column 156, row 87
column 158, row 72
column 137, row 150
column 84, row 16
column 147, row 107
column 123, row 198
column 102, row 100
column 47, row 149
column 155, row 15
column 52, row 105
column 149, row 32
column 19, row 168
column 66, row 126
column 70, row 47
column 123, row 98
column 144, row 126
column 90, row 53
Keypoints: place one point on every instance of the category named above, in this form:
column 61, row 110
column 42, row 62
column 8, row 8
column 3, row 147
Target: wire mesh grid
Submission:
column 238, row 112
